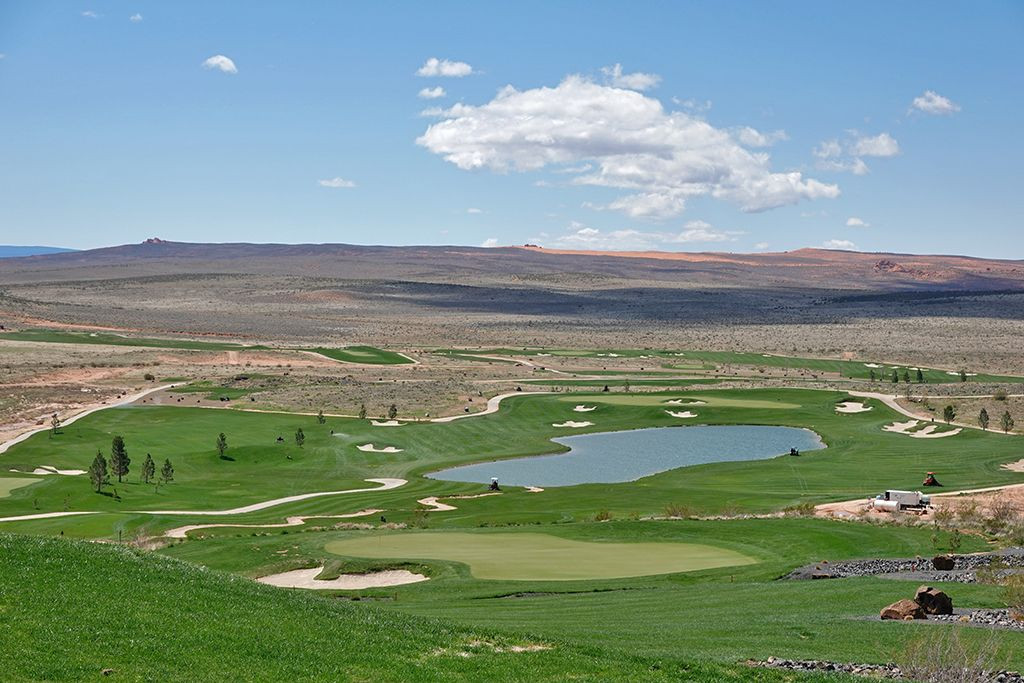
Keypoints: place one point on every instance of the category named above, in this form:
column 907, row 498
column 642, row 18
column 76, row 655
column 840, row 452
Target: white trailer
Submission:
column 894, row 500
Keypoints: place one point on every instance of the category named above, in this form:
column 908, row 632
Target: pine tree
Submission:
column 98, row 472
column 873, row 378
column 167, row 471
column 148, row 469
column 54, row 424
column 392, row 411
column 119, row 459
column 320, row 417
column 1006, row 422
column 983, row 418
column 906, row 376
column 362, row 411
column 895, row 377
column 300, row 438
column 222, row 444
column 949, row 414
column 920, row 376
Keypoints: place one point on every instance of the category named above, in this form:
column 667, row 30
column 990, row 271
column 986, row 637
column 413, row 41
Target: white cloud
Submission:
column 489, row 243
column 752, row 137
column 89, row 14
column 221, row 63
column 692, row 105
column 432, row 93
column 839, row 244
column 135, row 18
column 828, row 149
column 854, row 222
column 761, row 246
column 932, row 102
column 335, row 183
column 583, row 237
column 474, row 210
column 444, row 67
column 662, row 158
column 881, row 145
column 635, row 81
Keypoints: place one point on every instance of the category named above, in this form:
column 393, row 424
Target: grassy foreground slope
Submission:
column 69, row 610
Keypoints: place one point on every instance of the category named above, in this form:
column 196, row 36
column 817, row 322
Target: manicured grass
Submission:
column 363, row 354
column 527, row 556
column 70, row 610
column 58, row 337
column 8, row 484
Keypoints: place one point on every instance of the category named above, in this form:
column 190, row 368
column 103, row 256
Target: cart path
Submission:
column 890, row 401
column 182, row 531
column 493, row 404
column 386, row 485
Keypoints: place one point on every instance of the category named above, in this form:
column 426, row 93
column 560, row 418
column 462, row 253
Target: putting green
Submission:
column 540, row 557
column 8, row 484
column 659, row 399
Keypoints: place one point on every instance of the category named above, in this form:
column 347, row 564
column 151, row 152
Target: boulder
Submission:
column 933, row 601
column 903, row 610
column 943, row 563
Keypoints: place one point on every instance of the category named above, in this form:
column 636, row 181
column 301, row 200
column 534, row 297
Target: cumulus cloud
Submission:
column 751, row 137
column 221, row 63
column 335, row 183
column 881, row 145
column 444, row 67
column 489, row 243
column 135, row 18
column 583, row 237
column 661, row 158
column 89, row 14
column 854, row 222
column 839, row 244
column 635, row 81
column 432, row 93
column 761, row 246
column 834, row 155
column 932, row 102
column 474, row 210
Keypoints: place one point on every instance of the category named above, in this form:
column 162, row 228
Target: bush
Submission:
column 678, row 510
column 603, row 516
column 149, row 377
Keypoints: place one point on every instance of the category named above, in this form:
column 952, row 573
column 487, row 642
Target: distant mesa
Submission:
column 12, row 251
column 155, row 240
column 532, row 246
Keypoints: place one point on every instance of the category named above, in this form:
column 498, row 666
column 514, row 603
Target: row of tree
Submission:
column 1005, row 422
column 101, row 469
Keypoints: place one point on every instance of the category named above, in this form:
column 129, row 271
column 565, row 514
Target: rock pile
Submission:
column 876, row 671
column 927, row 600
column 992, row 618
column 961, row 568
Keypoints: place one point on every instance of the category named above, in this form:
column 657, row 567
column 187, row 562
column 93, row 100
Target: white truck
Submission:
column 895, row 501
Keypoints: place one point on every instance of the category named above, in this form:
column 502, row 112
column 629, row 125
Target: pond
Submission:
column 615, row 457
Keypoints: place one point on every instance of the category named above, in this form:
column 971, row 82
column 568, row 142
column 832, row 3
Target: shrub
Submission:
column 603, row 516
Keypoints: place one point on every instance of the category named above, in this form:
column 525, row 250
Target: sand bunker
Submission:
column 182, row 531
column 872, row 365
column 572, row 423
column 537, row 489
column 684, row 414
column 852, row 407
column 684, row 402
column 47, row 469
column 1014, row 466
column 387, row 423
column 306, row 578
column 370, row 448
column 966, row 374
column 923, row 433
column 435, row 503
column 584, row 409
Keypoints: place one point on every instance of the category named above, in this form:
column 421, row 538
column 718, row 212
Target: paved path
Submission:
column 890, row 400
column 492, row 405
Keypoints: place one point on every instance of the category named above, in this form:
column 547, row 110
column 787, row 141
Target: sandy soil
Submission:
column 852, row 407
column 572, row 423
column 1014, row 466
column 306, row 578
column 435, row 503
column 927, row 432
column 370, row 448
column 386, row 423
column 683, row 414
column 584, row 409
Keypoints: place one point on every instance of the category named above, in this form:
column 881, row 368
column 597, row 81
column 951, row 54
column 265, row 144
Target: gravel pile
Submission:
column 965, row 570
column 992, row 618
column 877, row 671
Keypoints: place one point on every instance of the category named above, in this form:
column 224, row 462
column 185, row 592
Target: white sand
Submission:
column 571, row 423
column 182, row 531
column 1014, row 466
column 435, row 503
column 388, row 423
column 584, row 409
column 684, row 414
column 957, row 374
column 684, row 402
column 537, row 489
column 872, row 365
column 47, row 469
column 370, row 448
column 852, row 407
column 306, row 578
column 924, row 433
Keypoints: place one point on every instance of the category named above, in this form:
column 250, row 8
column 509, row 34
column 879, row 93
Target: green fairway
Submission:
column 363, row 354
column 528, row 556
column 108, row 339
column 8, row 484
column 658, row 400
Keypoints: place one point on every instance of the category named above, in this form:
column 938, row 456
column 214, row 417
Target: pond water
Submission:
column 614, row 457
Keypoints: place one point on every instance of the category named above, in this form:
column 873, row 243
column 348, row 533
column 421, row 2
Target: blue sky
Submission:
column 726, row 126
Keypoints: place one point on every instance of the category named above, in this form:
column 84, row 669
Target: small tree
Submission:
column 906, row 376
column 167, row 472
column 895, row 377
column 148, row 469
column 392, row 411
column 222, row 444
column 320, row 417
column 119, row 459
column 54, row 424
column 362, row 411
column 983, row 418
column 920, row 376
column 872, row 375
column 963, row 375
column 98, row 472
column 1006, row 422
column 300, row 438
column 949, row 414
